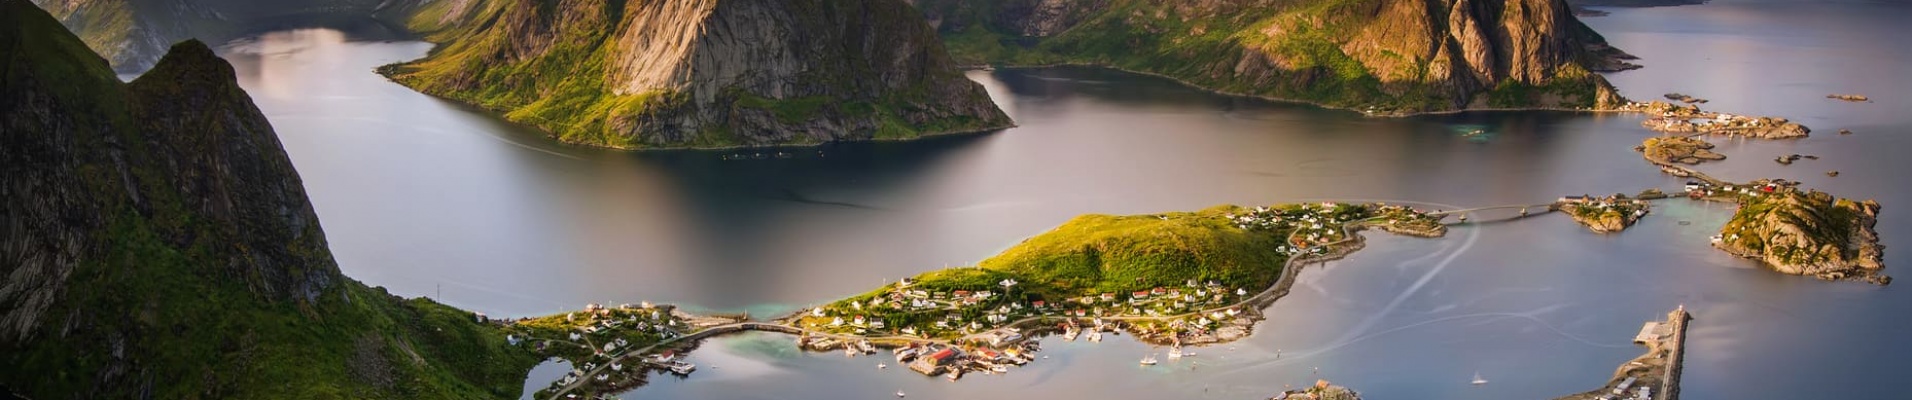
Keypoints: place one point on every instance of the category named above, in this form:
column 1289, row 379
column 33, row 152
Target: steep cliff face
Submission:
column 161, row 245
column 133, row 34
column 1809, row 233
column 1396, row 56
column 700, row 73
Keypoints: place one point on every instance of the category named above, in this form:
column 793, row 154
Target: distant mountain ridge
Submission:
column 132, row 34
column 161, row 245
column 1391, row 56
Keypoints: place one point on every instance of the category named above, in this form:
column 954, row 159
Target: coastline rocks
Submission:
column 1679, row 149
column 1673, row 118
column 1604, row 215
column 1807, row 233
column 1856, row 98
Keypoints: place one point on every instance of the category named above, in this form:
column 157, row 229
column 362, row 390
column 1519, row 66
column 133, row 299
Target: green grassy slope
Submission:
column 166, row 248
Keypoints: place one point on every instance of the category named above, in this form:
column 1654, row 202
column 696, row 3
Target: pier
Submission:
column 1654, row 375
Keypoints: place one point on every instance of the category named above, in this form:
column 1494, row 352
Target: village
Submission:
column 610, row 348
column 1674, row 118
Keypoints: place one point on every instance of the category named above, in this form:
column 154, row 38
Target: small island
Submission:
column 1805, row 233
column 1604, row 214
column 1322, row 390
column 1673, row 118
column 1678, row 149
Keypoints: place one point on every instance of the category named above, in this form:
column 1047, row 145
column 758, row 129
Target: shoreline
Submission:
column 382, row 71
column 1316, row 104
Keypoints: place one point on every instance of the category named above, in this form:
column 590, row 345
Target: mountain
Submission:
column 699, row 73
column 1384, row 56
column 160, row 245
column 132, row 34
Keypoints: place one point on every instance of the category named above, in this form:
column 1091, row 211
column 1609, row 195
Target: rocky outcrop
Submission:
column 1808, row 233
column 1606, row 215
column 160, row 244
column 704, row 73
column 1388, row 57
column 1678, row 149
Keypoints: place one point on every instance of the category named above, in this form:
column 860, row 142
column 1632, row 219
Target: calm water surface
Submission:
column 430, row 198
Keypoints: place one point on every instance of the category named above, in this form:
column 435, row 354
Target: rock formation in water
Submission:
column 1807, row 233
column 159, row 244
column 1380, row 56
column 132, row 34
column 1678, row 149
column 700, row 73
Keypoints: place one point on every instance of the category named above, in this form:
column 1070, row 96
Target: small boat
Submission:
column 1070, row 334
column 955, row 373
column 1148, row 360
column 999, row 369
column 882, row 365
column 849, row 351
column 1095, row 336
column 899, row 393
column 1175, row 352
column 1477, row 379
column 683, row 368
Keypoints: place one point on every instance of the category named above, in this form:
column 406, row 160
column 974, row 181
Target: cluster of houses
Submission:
column 1313, row 224
column 1699, row 189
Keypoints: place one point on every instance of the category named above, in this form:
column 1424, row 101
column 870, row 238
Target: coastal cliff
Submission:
column 699, row 73
column 1808, row 233
column 162, row 246
column 1382, row 57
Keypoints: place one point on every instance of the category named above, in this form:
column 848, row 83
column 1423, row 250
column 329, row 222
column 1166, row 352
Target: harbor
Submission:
column 1654, row 375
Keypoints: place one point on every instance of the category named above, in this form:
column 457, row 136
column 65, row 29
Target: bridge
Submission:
column 1545, row 207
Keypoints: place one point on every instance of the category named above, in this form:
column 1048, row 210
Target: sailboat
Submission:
column 1148, row 360
column 1477, row 379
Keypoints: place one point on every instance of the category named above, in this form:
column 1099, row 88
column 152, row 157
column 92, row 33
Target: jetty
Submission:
column 1654, row 375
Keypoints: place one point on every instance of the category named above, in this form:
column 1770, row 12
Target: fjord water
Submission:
column 430, row 198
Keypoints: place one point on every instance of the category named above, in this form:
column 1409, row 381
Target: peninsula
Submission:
column 1377, row 57
column 699, row 73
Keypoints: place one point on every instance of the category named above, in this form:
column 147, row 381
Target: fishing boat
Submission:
column 1477, row 379
column 905, row 355
column 1095, row 336
column 882, row 365
column 1148, row 360
column 899, row 393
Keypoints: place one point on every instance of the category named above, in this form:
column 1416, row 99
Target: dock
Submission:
column 1654, row 375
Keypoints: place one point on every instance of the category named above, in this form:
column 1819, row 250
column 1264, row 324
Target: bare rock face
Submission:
column 706, row 73
column 1810, row 233
column 1388, row 57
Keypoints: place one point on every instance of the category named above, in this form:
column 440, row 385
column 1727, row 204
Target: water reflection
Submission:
column 431, row 198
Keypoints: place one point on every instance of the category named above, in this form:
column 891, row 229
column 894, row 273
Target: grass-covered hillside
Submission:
column 1109, row 266
column 1805, row 233
column 684, row 73
column 1371, row 55
column 160, row 245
